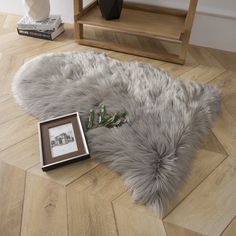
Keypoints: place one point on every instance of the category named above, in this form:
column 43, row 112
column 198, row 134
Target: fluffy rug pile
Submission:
column 167, row 117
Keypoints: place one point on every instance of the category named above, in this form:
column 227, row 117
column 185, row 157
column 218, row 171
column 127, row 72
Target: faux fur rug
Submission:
column 167, row 117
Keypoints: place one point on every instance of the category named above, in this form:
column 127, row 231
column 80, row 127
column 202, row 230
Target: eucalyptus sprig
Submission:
column 106, row 120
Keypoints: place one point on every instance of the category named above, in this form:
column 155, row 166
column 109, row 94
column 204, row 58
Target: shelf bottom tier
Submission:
column 133, row 21
column 131, row 44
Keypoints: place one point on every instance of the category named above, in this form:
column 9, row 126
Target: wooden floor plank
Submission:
column 204, row 57
column 89, row 215
column 66, row 174
column 12, row 183
column 211, row 206
column 230, row 105
column 202, row 167
column 231, row 229
column 174, row 230
column 202, row 74
column 226, row 82
column 101, row 182
column 9, row 68
column 2, row 19
column 129, row 222
column 211, row 143
column 24, row 154
column 10, row 22
column 4, row 97
column 135, row 219
column 174, row 69
column 225, row 129
column 14, row 131
column 226, row 59
column 45, row 211
column 90, row 211
column 10, row 110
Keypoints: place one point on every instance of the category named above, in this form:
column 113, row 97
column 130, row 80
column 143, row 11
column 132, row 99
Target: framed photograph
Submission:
column 62, row 141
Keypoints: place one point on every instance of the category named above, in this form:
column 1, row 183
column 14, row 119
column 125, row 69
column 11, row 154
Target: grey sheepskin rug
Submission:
column 167, row 118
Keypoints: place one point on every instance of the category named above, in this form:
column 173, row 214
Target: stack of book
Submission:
column 49, row 28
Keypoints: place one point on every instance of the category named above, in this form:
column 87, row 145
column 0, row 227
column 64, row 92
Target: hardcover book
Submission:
column 42, row 34
column 51, row 23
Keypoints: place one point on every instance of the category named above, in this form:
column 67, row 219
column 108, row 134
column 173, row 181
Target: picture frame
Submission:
column 62, row 141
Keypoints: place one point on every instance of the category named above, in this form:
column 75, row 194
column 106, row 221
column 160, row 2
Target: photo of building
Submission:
column 62, row 139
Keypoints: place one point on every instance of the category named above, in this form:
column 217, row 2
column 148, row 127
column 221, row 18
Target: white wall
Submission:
column 62, row 7
column 219, row 7
column 214, row 26
column 215, row 22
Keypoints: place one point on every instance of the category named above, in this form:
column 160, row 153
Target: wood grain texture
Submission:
column 101, row 182
column 12, row 183
column 2, row 19
column 226, row 59
column 45, row 211
column 90, row 199
column 132, row 51
column 10, row 109
column 174, row 230
column 231, row 229
column 134, row 219
column 227, row 83
column 90, row 216
column 24, row 154
column 204, row 164
column 66, row 174
column 201, row 74
column 204, row 57
column 10, row 129
column 211, row 143
column 89, row 203
column 131, row 223
column 8, row 68
column 225, row 130
column 139, row 23
column 211, row 206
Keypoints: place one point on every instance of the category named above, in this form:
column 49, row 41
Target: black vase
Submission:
column 110, row 9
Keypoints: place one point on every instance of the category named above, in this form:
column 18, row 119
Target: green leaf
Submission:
column 91, row 119
column 103, row 111
column 107, row 120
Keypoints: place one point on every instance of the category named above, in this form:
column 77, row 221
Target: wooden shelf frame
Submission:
column 140, row 20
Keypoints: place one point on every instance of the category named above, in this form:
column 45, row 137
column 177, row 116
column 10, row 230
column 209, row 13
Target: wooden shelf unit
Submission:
column 140, row 20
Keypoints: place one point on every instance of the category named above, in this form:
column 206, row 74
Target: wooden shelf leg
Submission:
column 79, row 28
column 79, row 31
column 188, row 28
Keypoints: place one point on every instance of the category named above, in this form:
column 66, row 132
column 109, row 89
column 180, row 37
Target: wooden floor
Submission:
column 87, row 198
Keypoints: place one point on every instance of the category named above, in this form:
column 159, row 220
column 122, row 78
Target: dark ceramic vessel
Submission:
column 110, row 9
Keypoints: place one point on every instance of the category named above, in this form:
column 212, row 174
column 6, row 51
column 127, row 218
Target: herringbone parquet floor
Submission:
column 87, row 198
